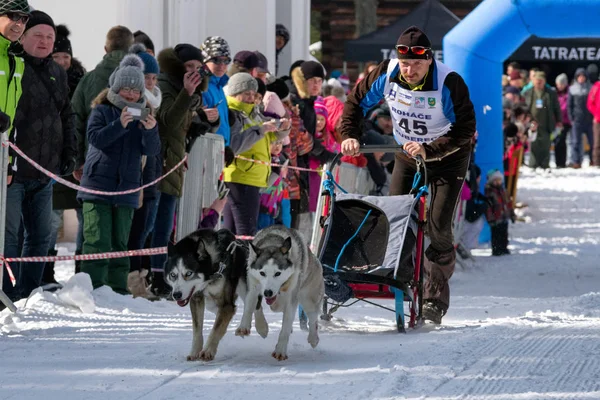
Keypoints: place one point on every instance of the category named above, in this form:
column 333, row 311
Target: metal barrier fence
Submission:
column 205, row 164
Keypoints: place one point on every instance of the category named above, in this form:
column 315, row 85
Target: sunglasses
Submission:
column 16, row 17
column 416, row 50
column 221, row 61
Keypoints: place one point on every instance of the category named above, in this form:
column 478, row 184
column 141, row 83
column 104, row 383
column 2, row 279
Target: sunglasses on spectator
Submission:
column 16, row 17
column 131, row 91
column 416, row 50
column 221, row 61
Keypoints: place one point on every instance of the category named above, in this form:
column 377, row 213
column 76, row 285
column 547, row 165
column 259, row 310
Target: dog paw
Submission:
column 208, row 354
column 242, row 331
column 313, row 339
column 279, row 356
column 193, row 357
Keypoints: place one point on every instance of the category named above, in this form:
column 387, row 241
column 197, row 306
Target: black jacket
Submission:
column 44, row 126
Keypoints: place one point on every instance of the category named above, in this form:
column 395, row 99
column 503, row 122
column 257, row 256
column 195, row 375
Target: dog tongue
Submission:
column 182, row 303
column 270, row 300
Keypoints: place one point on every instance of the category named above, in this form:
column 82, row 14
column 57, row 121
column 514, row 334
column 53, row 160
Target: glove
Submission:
column 4, row 122
column 229, row 156
column 197, row 129
column 67, row 166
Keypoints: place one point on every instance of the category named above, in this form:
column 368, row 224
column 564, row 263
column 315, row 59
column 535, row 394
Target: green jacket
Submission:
column 547, row 113
column 247, row 172
column 87, row 90
column 11, row 73
column 175, row 115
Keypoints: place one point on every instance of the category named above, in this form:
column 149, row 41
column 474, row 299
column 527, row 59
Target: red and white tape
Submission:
column 279, row 165
column 80, row 188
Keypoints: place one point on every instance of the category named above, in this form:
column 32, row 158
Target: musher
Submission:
column 433, row 117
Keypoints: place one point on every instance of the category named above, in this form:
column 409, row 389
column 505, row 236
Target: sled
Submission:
column 372, row 247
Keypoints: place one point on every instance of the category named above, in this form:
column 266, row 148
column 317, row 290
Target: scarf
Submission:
column 120, row 102
column 154, row 98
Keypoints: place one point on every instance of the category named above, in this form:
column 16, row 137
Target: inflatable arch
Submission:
column 477, row 47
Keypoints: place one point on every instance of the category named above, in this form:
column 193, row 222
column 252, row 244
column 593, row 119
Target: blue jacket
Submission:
column 114, row 157
column 215, row 97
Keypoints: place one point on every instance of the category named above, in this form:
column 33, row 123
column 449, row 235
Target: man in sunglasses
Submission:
column 13, row 18
column 433, row 118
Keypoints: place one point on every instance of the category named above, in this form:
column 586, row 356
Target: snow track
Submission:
column 521, row 327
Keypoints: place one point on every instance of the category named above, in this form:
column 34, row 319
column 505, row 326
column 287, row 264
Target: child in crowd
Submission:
column 326, row 138
column 119, row 132
column 272, row 196
column 475, row 210
column 499, row 212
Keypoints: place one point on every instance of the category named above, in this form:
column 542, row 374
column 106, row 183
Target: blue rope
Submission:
column 422, row 191
column 339, row 257
column 330, row 184
column 416, row 180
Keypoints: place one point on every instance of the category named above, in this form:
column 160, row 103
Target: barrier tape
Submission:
column 80, row 188
column 320, row 170
column 88, row 257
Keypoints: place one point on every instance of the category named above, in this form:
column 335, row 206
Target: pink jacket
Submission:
column 593, row 102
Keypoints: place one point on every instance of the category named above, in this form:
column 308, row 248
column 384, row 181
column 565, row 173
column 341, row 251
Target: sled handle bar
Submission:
column 393, row 148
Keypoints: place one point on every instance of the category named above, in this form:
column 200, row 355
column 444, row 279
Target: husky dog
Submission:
column 209, row 268
column 283, row 270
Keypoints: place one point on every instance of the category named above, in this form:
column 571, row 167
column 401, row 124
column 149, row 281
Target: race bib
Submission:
column 539, row 103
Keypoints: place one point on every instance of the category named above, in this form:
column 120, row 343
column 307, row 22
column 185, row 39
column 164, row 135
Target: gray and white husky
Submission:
column 283, row 270
column 208, row 268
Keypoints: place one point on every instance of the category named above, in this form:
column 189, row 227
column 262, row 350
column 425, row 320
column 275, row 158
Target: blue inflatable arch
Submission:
column 477, row 47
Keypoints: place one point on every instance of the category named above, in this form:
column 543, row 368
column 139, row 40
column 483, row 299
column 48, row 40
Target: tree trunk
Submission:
column 366, row 16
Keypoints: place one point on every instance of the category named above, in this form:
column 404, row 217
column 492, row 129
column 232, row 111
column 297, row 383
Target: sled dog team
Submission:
column 210, row 269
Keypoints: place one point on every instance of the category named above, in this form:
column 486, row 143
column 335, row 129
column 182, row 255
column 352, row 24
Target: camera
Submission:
column 204, row 72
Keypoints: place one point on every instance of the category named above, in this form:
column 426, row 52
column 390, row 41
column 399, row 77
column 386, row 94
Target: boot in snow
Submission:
column 433, row 312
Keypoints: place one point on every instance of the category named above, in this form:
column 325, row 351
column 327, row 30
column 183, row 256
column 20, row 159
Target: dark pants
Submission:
column 499, row 238
column 577, row 132
column 29, row 202
column 295, row 213
column 539, row 155
column 596, row 148
column 446, row 178
column 560, row 147
column 106, row 229
column 240, row 215
column 163, row 229
column 142, row 225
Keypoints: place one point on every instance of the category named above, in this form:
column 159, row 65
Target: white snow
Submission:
column 525, row 326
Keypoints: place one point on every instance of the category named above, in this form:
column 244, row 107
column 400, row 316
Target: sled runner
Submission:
column 373, row 247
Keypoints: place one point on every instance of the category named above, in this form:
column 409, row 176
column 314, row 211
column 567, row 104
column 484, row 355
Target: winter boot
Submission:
column 48, row 275
column 433, row 311
column 159, row 287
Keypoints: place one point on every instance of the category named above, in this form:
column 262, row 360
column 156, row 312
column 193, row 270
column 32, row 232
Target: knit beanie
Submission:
column 62, row 44
column 240, row 83
column 273, row 106
column 262, row 88
column 247, row 59
column 592, row 72
column 579, row 71
column 186, row 52
column 20, row 6
column 320, row 108
column 213, row 47
column 130, row 73
column 494, row 174
column 312, row 69
column 150, row 63
column 564, row 79
column 279, row 88
column 39, row 18
column 143, row 38
column 413, row 36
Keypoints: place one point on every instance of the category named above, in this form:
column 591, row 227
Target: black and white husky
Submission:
column 284, row 271
column 209, row 268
